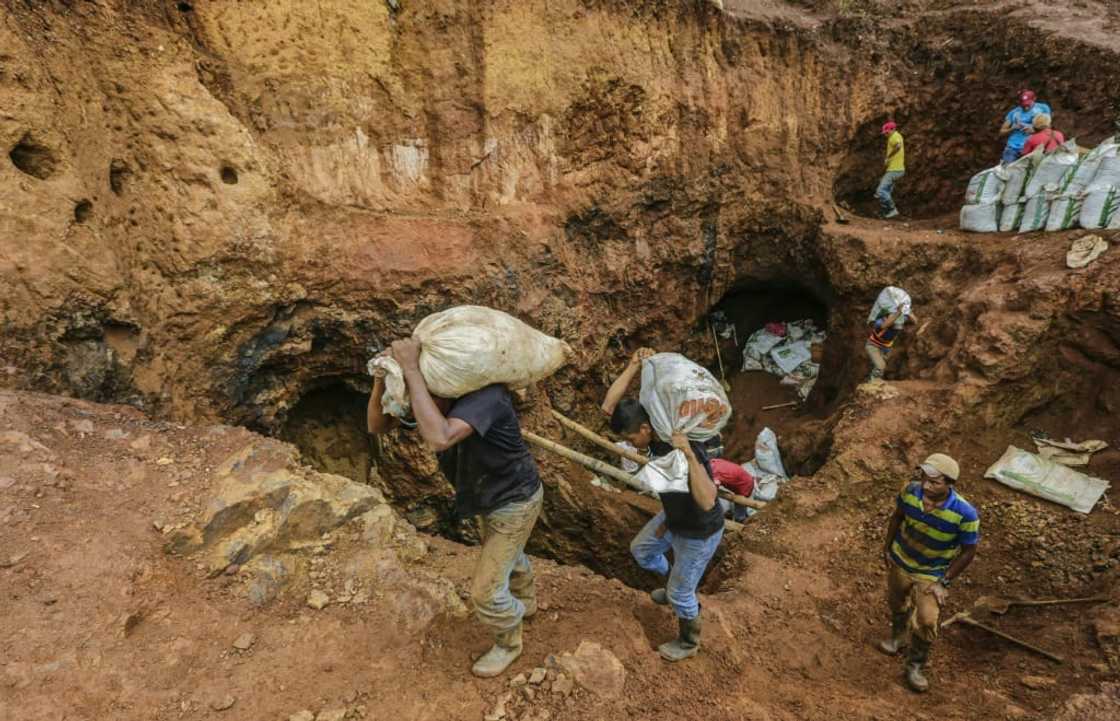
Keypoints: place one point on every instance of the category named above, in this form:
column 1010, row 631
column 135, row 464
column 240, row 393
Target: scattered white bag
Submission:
column 1018, row 173
column 1054, row 171
column 1065, row 213
column 679, row 395
column 469, row 347
column 1011, row 216
column 1036, row 211
column 788, row 356
column 980, row 218
column 1083, row 252
column 891, row 299
column 1037, row 476
column 766, row 467
column 1099, row 208
column 1086, row 172
column 986, row 187
column 758, row 345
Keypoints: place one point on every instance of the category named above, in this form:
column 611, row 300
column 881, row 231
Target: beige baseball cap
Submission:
column 939, row 463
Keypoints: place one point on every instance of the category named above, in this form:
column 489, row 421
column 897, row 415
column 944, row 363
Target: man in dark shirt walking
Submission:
column 691, row 523
column 477, row 440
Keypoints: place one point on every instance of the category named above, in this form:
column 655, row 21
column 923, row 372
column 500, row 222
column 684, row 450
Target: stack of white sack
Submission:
column 981, row 211
column 469, row 347
column 1100, row 207
column 785, row 350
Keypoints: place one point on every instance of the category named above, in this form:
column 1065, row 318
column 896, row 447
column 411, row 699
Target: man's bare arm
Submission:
column 618, row 389
column 699, row 482
column 377, row 420
column 438, row 431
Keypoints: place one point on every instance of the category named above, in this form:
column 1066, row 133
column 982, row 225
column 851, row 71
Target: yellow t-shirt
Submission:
column 898, row 162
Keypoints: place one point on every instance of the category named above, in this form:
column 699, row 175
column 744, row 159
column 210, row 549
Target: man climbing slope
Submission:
column 931, row 538
column 887, row 318
column 691, row 523
column 477, row 439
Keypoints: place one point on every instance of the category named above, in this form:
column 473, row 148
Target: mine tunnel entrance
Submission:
column 773, row 339
column 328, row 425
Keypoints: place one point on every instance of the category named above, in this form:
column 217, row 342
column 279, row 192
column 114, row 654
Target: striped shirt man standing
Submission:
column 930, row 540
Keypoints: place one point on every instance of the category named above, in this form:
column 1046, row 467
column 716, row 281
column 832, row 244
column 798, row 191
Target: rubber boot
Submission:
column 915, row 662
column 897, row 641
column 506, row 649
column 687, row 642
column 659, row 596
column 530, row 608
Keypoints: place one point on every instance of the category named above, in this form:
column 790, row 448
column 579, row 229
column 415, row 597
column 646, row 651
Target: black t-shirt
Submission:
column 492, row 466
column 683, row 516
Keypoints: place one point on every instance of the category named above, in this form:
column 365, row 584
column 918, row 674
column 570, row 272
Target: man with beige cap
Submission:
column 931, row 539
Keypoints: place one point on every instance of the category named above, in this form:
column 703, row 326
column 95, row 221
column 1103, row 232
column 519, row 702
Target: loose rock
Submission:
column 537, row 676
column 223, row 703
column 318, row 600
column 1038, row 682
column 595, row 668
column 518, row 680
column 244, row 642
column 334, row 714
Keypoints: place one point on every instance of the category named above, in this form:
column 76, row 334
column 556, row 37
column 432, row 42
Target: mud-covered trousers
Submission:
column 911, row 595
column 503, row 580
column 690, row 558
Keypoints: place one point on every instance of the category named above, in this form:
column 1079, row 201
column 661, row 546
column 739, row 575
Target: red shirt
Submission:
column 1052, row 138
column 732, row 476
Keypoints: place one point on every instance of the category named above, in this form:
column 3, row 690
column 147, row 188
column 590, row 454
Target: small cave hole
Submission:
column 229, row 175
column 184, row 7
column 328, row 425
column 83, row 210
column 33, row 158
column 119, row 176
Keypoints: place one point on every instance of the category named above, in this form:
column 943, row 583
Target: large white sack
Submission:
column 980, row 218
column 1090, row 163
column 1036, row 212
column 1054, row 171
column 1011, row 216
column 1107, row 175
column 766, row 467
column 1043, row 478
column 1099, row 208
column 890, row 300
column 1017, row 173
column 679, row 395
column 986, row 187
column 1065, row 213
column 469, row 347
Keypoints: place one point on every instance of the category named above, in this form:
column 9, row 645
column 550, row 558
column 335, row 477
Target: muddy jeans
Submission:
column 886, row 187
column 503, row 580
column 911, row 595
column 690, row 559
column 878, row 358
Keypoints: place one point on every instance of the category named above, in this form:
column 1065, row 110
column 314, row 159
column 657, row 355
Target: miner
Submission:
column 931, row 539
column 477, row 441
column 690, row 523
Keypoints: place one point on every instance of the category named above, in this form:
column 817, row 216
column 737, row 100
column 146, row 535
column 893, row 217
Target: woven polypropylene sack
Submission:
column 469, row 347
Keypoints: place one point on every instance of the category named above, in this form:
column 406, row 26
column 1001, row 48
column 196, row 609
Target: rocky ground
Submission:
column 214, row 212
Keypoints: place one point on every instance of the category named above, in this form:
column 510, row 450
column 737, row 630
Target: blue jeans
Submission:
column 1010, row 154
column 886, row 185
column 690, row 558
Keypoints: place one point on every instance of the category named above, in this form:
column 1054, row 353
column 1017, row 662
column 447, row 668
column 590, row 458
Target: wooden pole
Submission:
column 587, row 461
column 779, row 405
column 617, row 473
column 965, row 618
column 599, row 440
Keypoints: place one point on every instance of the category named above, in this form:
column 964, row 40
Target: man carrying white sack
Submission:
column 887, row 318
column 477, row 440
column 691, row 522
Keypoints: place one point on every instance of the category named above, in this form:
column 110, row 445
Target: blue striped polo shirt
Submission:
column 927, row 542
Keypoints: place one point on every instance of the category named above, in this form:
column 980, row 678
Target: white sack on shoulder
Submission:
column 469, row 347
column 679, row 396
column 890, row 299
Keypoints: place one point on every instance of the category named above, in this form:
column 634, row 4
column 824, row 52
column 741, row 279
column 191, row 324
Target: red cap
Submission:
column 889, row 127
column 1026, row 97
